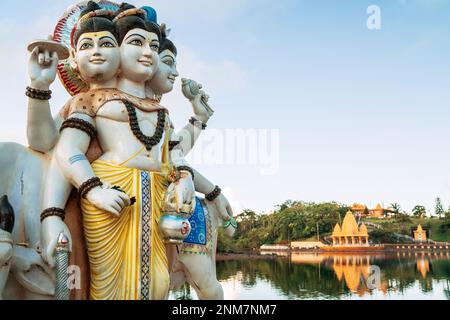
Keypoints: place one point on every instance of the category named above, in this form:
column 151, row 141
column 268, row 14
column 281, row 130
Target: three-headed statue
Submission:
column 114, row 185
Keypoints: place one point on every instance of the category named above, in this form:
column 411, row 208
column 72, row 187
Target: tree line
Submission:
column 298, row 220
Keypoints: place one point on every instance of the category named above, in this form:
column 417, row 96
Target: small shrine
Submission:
column 420, row 234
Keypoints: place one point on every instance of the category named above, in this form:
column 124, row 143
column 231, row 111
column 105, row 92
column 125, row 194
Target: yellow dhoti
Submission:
column 127, row 255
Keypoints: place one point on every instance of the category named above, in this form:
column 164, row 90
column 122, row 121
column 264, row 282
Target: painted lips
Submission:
column 147, row 63
column 97, row 61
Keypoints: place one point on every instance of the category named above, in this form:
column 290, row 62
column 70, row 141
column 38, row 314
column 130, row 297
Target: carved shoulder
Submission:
column 90, row 102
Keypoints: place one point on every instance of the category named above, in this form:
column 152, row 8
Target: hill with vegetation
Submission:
column 303, row 221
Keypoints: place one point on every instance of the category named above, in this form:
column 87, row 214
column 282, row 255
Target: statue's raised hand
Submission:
column 51, row 228
column 42, row 68
column 198, row 98
column 109, row 199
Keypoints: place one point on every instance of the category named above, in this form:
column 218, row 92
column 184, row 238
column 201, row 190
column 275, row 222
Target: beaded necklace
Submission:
column 149, row 142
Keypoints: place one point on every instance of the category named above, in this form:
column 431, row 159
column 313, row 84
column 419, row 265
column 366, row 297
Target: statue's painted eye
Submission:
column 136, row 42
column 168, row 62
column 107, row 45
column 85, row 46
column 154, row 47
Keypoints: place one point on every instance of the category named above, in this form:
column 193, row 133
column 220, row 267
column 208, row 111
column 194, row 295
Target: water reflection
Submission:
column 336, row 276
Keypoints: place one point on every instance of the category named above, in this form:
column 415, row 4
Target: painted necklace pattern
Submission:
column 149, row 142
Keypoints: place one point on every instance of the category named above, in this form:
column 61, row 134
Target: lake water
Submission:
column 335, row 276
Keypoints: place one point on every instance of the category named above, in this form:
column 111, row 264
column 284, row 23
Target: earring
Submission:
column 74, row 67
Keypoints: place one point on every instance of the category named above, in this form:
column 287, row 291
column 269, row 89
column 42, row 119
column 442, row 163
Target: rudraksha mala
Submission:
column 149, row 142
column 214, row 194
column 197, row 123
column 88, row 186
column 80, row 124
column 186, row 168
column 38, row 94
column 53, row 212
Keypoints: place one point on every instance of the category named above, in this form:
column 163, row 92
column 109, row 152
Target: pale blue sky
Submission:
column 362, row 114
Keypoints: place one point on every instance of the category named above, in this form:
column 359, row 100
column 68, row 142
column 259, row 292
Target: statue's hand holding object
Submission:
column 51, row 228
column 43, row 63
column 180, row 195
column 198, row 98
column 109, row 199
column 178, row 205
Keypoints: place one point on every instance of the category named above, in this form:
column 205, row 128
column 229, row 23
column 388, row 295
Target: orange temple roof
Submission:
column 350, row 227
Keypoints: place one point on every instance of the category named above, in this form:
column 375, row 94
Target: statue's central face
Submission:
column 165, row 77
column 139, row 55
column 98, row 56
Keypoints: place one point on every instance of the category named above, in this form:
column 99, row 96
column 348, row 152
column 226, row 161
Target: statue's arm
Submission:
column 188, row 137
column 74, row 169
column 184, row 187
column 177, row 155
column 206, row 187
column 191, row 132
column 58, row 120
column 70, row 155
column 202, row 184
column 70, row 152
column 41, row 129
column 42, row 133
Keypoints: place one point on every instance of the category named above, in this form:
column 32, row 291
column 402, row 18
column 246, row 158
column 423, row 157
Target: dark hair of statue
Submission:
column 166, row 44
column 94, row 24
column 137, row 21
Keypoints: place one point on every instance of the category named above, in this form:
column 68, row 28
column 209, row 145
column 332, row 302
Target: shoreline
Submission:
column 288, row 255
column 244, row 256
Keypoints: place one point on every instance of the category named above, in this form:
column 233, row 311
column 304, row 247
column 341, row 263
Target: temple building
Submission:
column 359, row 210
column 349, row 234
column 420, row 234
column 379, row 212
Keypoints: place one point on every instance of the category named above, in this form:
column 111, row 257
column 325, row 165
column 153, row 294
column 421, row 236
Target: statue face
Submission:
column 165, row 77
column 139, row 55
column 97, row 56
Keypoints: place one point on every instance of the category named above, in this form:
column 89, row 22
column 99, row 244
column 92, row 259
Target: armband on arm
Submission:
column 88, row 185
column 188, row 169
column 53, row 212
column 175, row 175
column 197, row 123
column 214, row 194
column 38, row 94
column 80, row 124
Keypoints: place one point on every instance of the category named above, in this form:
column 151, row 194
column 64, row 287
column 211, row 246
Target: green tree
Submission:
column 284, row 205
column 439, row 209
column 225, row 243
column 366, row 212
column 419, row 211
column 246, row 221
column 396, row 208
